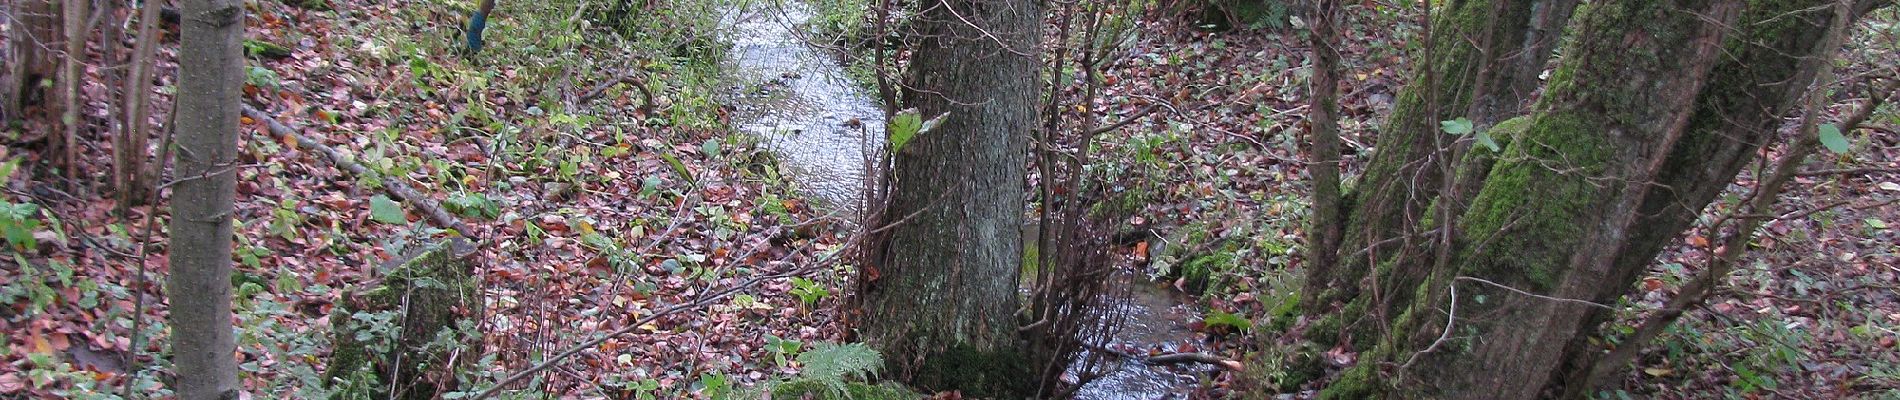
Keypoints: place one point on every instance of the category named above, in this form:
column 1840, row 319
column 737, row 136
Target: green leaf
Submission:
column 1221, row 318
column 384, row 210
column 1484, row 138
column 1458, row 126
column 678, row 167
column 710, row 148
column 1832, row 138
column 1875, row 223
column 903, row 128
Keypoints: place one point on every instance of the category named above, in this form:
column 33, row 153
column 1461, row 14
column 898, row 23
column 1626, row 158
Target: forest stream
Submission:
column 798, row 100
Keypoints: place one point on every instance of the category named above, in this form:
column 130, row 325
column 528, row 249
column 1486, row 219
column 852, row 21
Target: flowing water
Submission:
column 798, row 100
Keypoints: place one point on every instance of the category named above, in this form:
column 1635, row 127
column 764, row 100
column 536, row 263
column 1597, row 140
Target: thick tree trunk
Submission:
column 200, row 281
column 1556, row 211
column 1763, row 71
column 940, row 293
column 1483, row 63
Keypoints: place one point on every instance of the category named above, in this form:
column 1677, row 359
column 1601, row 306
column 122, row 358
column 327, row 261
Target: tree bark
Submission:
column 200, row 283
column 75, row 12
column 129, row 152
column 939, row 292
column 1322, row 118
column 1763, row 72
column 35, row 29
column 1556, row 210
column 1482, row 63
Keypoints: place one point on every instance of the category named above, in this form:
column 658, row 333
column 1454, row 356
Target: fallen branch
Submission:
column 395, row 187
column 1203, row 358
column 1171, row 358
column 632, row 77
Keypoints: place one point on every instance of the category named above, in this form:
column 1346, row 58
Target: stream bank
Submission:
column 798, row 100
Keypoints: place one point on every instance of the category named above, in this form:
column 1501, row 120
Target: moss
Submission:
column 1536, row 200
column 424, row 295
column 999, row 374
column 801, row 388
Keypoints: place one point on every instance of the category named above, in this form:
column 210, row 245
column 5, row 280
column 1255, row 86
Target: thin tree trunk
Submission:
column 75, row 23
column 1322, row 119
column 200, row 283
column 131, row 177
column 939, row 292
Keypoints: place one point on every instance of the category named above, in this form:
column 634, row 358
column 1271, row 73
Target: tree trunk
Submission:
column 200, row 281
column 1322, row 119
column 1556, row 211
column 75, row 12
column 1483, row 63
column 130, row 151
column 1764, row 71
column 35, row 29
column 939, row 292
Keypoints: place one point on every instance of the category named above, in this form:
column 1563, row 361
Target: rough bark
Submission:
column 200, row 281
column 1556, row 210
column 1323, row 230
column 1482, row 63
column 940, row 292
column 1762, row 73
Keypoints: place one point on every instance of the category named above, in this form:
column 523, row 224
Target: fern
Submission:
column 830, row 364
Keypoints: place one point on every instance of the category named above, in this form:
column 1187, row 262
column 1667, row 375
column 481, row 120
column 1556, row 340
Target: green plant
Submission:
column 831, row 364
column 783, row 350
column 1216, row 318
column 808, row 291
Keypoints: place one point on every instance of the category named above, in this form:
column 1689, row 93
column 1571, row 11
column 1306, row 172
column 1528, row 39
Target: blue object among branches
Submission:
column 477, row 23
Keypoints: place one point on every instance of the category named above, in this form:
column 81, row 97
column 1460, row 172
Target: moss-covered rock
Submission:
column 404, row 329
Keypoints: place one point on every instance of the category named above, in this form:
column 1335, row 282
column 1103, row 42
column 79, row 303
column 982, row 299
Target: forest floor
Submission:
column 592, row 208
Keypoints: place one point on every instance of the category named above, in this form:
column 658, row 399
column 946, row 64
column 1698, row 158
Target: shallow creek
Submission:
column 797, row 99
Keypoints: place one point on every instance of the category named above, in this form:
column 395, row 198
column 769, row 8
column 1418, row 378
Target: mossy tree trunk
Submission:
column 1653, row 111
column 939, row 291
column 199, row 287
column 1482, row 63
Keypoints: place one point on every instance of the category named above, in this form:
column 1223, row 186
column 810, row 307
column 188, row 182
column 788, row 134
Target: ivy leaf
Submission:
column 384, row 210
column 1832, row 138
column 1458, row 126
column 1484, row 138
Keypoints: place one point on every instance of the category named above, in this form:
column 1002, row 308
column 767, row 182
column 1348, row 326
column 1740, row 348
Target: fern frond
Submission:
column 831, row 364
